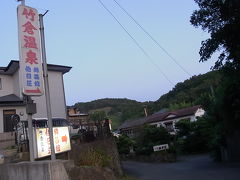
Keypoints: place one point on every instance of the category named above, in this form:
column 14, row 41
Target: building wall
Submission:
column 7, row 85
column 16, row 87
column 57, row 98
column 19, row 110
column 200, row 112
column 72, row 111
column 161, row 123
column 11, row 85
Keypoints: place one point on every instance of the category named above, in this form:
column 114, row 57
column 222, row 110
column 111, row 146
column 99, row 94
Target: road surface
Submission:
column 196, row 167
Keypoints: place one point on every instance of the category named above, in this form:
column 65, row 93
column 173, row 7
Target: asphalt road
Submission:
column 196, row 167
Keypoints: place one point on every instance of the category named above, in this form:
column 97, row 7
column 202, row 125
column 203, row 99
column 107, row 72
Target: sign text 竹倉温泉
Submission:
column 30, row 51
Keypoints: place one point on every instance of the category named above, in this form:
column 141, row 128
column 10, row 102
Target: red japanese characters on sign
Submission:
column 30, row 54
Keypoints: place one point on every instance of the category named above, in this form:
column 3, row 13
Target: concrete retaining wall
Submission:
column 40, row 170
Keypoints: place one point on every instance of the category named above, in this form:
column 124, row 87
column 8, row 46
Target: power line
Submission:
column 152, row 38
column 136, row 42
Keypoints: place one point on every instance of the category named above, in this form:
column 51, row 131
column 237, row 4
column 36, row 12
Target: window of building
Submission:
column 0, row 83
column 169, row 126
column 7, row 120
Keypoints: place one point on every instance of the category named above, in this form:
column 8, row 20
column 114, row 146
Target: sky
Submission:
column 105, row 61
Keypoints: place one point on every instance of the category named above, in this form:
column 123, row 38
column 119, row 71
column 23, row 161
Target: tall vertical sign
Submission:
column 30, row 51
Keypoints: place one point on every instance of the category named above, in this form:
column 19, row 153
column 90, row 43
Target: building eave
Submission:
column 11, row 104
column 13, row 66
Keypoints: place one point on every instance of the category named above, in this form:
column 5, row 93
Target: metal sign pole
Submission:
column 22, row 2
column 31, row 109
column 47, row 93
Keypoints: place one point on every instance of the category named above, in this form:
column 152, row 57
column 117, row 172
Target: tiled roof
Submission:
column 133, row 123
column 160, row 117
column 176, row 114
column 10, row 98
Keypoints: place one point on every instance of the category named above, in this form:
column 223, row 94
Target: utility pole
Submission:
column 47, row 92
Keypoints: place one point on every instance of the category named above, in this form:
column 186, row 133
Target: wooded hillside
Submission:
column 195, row 90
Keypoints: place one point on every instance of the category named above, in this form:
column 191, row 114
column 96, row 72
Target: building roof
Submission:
column 14, row 65
column 133, row 123
column 160, row 117
column 11, row 100
column 172, row 114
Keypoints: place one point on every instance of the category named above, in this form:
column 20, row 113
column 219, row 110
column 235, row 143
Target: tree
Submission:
column 98, row 117
column 151, row 136
column 221, row 18
column 181, row 105
column 193, row 137
column 124, row 144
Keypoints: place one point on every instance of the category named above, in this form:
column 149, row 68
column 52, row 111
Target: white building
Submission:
column 169, row 119
column 162, row 119
column 11, row 98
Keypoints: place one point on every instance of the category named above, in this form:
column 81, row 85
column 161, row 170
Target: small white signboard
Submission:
column 61, row 141
column 30, row 51
column 160, row 147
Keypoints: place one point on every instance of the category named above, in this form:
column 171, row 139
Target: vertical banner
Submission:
column 30, row 51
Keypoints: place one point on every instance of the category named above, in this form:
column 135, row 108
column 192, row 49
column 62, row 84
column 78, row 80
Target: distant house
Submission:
column 82, row 120
column 169, row 119
column 78, row 119
column 164, row 119
column 132, row 127
column 11, row 98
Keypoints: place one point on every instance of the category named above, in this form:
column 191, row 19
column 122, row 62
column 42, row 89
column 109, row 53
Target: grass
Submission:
column 95, row 157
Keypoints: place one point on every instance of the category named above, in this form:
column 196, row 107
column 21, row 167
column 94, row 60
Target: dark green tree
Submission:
column 193, row 137
column 221, row 18
column 98, row 117
column 151, row 136
column 124, row 144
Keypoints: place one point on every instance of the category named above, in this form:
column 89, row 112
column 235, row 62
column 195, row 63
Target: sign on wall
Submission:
column 30, row 51
column 61, row 141
column 160, row 147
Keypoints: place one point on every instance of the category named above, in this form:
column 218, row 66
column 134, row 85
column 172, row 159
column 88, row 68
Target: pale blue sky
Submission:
column 105, row 61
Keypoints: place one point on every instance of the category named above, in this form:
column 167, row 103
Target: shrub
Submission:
column 124, row 143
column 151, row 136
column 95, row 157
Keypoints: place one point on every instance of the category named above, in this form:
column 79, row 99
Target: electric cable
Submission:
column 136, row 42
column 152, row 38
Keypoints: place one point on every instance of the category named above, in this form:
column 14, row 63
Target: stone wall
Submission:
column 79, row 151
column 91, row 173
column 7, row 139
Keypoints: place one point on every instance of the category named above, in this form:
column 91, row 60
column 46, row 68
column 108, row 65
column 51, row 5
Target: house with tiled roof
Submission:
column 12, row 100
column 165, row 119
column 132, row 127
